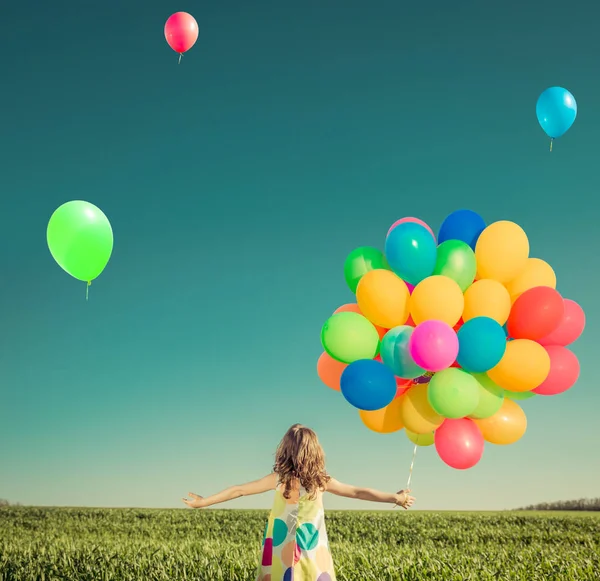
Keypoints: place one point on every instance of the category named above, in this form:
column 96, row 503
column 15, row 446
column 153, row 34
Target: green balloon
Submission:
column 519, row 395
column 456, row 260
column 420, row 439
column 360, row 261
column 453, row 393
column 491, row 397
column 80, row 239
column 349, row 337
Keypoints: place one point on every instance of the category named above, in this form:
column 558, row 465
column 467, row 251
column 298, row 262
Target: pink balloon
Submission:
column 416, row 221
column 564, row 371
column 433, row 345
column 570, row 327
column 459, row 443
column 411, row 287
column 181, row 31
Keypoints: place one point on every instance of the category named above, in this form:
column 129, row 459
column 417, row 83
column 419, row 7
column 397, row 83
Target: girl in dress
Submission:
column 295, row 546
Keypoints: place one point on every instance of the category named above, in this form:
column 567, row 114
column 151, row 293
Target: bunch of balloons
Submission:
column 556, row 110
column 181, row 32
column 447, row 334
column 80, row 239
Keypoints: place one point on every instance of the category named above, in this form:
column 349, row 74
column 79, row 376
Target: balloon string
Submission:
column 87, row 289
column 412, row 464
column 180, row 55
column 551, row 142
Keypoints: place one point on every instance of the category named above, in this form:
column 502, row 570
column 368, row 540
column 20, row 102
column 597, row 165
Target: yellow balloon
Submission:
column 524, row 366
column 537, row 273
column 487, row 298
column 384, row 421
column 506, row 426
column 420, row 439
column 501, row 251
column 383, row 298
column 437, row 297
column 417, row 415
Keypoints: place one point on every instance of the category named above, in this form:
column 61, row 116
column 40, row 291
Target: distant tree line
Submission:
column 6, row 503
column 581, row 504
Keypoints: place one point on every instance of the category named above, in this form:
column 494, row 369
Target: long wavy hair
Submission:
column 300, row 458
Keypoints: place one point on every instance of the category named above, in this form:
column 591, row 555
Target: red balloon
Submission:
column 535, row 314
column 570, row 327
column 459, row 443
column 564, row 371
column 181, row 31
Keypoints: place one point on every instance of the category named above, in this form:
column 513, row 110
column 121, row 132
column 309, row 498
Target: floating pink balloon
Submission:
column 570, row 327
column 416, row 221
column 459, row 443
column 564, row 371
column 433, row 345
column 181, row 32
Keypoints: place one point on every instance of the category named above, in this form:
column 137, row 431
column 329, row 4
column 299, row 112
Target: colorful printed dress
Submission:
column 295, row 546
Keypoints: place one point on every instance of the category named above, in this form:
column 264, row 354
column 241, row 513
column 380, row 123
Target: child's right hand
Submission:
column 404, row 500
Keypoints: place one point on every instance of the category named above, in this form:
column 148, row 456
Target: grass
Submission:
column 47, row 544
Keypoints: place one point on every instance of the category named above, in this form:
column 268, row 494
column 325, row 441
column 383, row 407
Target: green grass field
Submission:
column 43, row 544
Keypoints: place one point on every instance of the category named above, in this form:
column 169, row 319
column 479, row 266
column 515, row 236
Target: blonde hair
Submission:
column 300, row 458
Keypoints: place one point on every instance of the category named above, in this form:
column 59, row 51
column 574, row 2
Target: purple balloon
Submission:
column 433, row 345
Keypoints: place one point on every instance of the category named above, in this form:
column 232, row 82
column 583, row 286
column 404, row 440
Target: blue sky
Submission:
column 236, row 184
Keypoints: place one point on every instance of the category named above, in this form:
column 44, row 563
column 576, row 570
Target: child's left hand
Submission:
column 194, row 501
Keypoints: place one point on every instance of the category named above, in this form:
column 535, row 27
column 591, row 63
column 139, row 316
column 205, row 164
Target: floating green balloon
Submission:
column 453, row 393
column 491, row 397
column 420, row 439
column 519, row 395
column 80, row 239
column 348, row 337
column 360, row 261
column 456, row 260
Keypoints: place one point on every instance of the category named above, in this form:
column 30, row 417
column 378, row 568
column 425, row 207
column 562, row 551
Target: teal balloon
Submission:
column 556, row 110
column 456, row 260
column 481, row 344
column 411, row 252
column 395, row 354
column 453, row 393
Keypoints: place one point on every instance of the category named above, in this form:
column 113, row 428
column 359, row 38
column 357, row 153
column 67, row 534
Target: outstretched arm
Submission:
column 256, row 487
column 347, row 490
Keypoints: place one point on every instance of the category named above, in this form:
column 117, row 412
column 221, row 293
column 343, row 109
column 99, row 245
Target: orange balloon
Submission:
column 384, row 421
column 437, row 297
column 506, row 426
column 524, row 366
column 330, row 371
column 537, row 272
column 417, row 415
column 354, row 308
column 383, row 298
column 487, row 298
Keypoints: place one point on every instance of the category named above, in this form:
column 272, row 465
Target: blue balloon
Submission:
column 481, row 344
column 411, row 252
column 464, row 225
column 395, row 354
column 368, row 385
column 556, row 110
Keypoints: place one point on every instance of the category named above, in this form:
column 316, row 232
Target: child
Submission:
column 295, row 540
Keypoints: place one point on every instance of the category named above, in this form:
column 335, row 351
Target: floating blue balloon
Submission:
column 556, row 110
column 482, row 343
column 368, row 385
column 395, row 354
column 464, row 225
column 411, row 252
